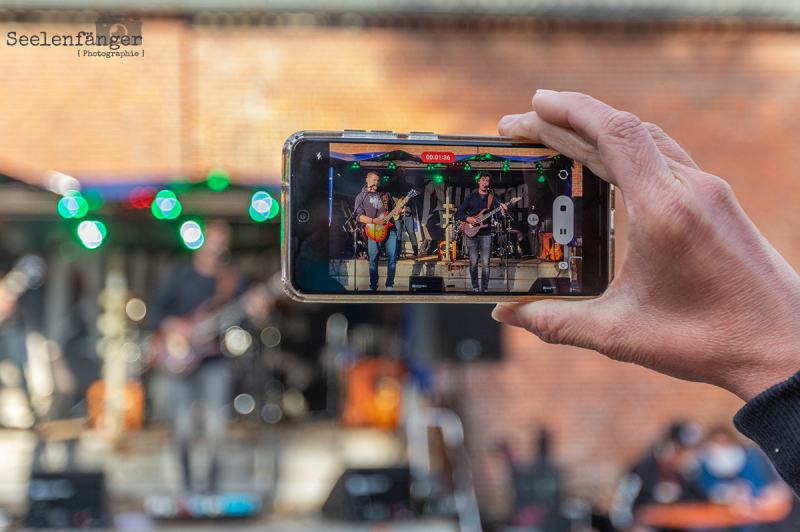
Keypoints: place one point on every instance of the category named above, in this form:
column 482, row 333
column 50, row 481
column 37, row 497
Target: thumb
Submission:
column 580, row 323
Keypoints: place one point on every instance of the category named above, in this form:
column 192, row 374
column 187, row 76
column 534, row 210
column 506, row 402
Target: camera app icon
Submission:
column 119, row 26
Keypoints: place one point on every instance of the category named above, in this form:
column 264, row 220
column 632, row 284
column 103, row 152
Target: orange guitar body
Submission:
column 378, row 232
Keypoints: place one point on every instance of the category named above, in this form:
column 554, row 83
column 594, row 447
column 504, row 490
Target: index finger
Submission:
column 625, row 146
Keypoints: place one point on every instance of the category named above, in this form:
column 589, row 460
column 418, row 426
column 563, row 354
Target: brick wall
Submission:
column 204, row 97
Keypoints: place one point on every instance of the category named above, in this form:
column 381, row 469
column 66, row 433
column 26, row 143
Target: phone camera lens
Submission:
column 302, row 216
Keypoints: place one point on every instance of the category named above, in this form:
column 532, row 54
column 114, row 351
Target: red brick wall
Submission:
column 210, row 97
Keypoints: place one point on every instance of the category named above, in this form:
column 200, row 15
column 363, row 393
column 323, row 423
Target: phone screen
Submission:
column 473, row 219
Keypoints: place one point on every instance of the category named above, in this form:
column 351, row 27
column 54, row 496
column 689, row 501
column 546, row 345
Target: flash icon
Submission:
column 319, row 155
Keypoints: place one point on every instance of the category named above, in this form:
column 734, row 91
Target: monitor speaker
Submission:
column 421, row 283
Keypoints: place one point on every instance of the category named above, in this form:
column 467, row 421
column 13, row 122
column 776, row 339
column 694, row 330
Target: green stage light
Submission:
column 438, row 179
column 541, row 178
column 430, row 166
column 192, row 235
column 355, row 165
column 91, row 234
column 218, row 179
column 263, row 207
column 72, row 205
column 467, row 167
column 392, row 166
column 505, row 167
column 166, row 205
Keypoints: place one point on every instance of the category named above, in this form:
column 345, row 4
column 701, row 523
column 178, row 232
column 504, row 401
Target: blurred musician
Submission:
column 208, row 282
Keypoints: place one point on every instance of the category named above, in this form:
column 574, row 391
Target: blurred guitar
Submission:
column 378, row 232
column 27, row 273
column 183, row 342
column 472, row 230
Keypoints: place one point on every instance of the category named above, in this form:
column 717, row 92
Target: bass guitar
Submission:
column 378, row 232
column 183, row 342
column 472, row 230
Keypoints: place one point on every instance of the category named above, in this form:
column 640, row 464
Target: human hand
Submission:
column 700, row 294
column 472, row 220
column 379, row 221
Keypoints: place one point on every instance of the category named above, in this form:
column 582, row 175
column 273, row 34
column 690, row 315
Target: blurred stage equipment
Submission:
column 371, row 495
column 67, row 500
column 133, row 406
column 222, row 506
column 466, row 503
column 373, row 395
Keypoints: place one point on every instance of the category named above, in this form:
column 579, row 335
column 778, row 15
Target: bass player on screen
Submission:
column 475, row 204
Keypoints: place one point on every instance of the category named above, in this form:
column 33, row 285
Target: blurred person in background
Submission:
column 666, row 475
column 207, row 290
column 738, row 475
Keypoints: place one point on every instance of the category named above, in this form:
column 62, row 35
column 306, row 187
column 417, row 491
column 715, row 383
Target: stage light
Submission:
column 72, row 205
column 355, row 165
column 91, row 234
column 263, row 207
column 467, row 167
column 218, row 179
column 392, row 166
column 438, row 179
column 505, row 167
column 541, row 178
column 430, row 166
column 192, row 235
column 166, row 205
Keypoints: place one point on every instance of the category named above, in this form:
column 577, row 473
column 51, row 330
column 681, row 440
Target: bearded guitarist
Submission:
column 207, row 284
column 370, row 205
column 481, row 243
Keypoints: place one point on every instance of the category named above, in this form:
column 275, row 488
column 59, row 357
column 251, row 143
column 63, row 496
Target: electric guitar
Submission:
column 378, row 232
column 183, row 342
column 472, row 230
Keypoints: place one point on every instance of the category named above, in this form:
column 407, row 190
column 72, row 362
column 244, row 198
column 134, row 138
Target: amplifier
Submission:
column 551, row 285
column 67, row 500
column 421, row 283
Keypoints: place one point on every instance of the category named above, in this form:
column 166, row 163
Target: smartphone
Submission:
column 377, row 216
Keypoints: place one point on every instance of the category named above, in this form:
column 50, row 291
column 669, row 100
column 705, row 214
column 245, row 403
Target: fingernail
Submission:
column 545, row 91
column 505, row 315
column 509, row 118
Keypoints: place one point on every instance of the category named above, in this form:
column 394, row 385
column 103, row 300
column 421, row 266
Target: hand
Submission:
column 700, row 294
column 379, row 221
column 472, row 220
column 504, row 208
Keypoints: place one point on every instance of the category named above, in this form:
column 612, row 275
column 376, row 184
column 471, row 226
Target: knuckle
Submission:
column 546, row 325
column 623, row 124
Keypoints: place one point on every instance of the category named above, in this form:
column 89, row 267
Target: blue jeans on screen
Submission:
column 479, row 244
column 373, row 248
column 406, row 223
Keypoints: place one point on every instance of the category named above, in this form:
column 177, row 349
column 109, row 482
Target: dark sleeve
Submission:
column 462, row 210
column 359, row 206
column 772, row 420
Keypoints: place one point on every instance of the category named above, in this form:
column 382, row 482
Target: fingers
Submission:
column 668, row 147
column 578, row 323
column 625, row 146
column 563, row 140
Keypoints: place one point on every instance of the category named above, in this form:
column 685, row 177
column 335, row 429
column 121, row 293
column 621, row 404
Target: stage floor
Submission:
column 522, row 273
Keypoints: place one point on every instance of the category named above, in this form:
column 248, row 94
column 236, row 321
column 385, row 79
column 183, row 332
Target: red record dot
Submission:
column 134, row 197
column 147, row 196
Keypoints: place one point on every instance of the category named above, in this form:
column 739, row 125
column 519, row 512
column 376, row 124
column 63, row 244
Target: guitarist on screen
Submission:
column 209, row 282
column 472, row 206
column 370, row 205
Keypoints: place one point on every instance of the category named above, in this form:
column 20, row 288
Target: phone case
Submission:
column 391, row 297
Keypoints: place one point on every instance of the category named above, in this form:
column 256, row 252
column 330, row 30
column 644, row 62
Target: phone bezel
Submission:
column 287, row 263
